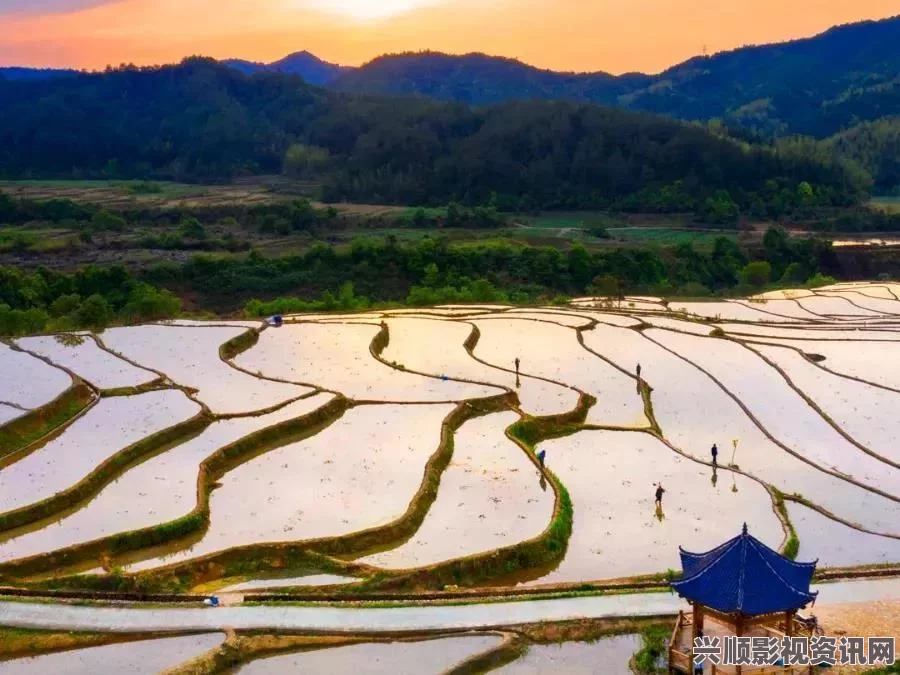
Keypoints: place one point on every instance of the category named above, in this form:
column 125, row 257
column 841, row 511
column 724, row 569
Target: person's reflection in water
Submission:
column 543, row 483
column 715, row 476
column 518, row 381
column 660, row 516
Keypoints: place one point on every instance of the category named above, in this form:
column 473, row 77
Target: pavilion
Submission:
column 746, row 589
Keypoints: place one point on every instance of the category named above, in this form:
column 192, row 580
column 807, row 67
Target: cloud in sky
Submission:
column 582, row 35
column 46, row 6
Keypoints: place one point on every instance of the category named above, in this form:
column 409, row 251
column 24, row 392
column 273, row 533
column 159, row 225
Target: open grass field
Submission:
column 397, row 450
column 585, row 226
column 123, row 194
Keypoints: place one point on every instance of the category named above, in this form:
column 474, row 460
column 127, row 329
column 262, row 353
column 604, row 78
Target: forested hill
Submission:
column 480, row 79
column 876, row 147
column 203, row 121
column 308, row 66
column 814, row 86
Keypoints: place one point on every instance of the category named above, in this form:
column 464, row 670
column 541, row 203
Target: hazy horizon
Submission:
column 567, row 35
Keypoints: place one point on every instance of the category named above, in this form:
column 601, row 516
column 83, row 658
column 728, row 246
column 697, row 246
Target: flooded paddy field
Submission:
column 415, row 425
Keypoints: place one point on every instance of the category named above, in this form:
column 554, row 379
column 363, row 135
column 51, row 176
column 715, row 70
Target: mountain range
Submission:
column 202, row 121
column 815, row 86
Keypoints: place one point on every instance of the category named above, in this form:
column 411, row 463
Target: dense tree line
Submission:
column 384, row 271
column 202, row 121
column 876, row 147
column 93, row 297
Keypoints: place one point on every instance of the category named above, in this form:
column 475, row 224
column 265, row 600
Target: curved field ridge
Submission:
column 29, row 382
column 110, row 426
column 144, row 657
column 393, row 658
column 836, row 545
column 865, row 413
column 729, row 311
column 694, row 411
column 889, row 306
column 612, row 654
column 552, row 352
column 89, row 361
column 876, row 363
column 287, row 582
column 358, row 473
column 337, row 357
column 490, row 497
column 789, row 309
column 396, row 451
column 9, row 413
column 611, row 476
column 414, row 343
column 835, row 306
column 189, row 356
column 806, row 333
column 780, row 409
column 158, row 490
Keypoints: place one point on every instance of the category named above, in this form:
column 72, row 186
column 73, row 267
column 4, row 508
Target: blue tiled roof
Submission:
column 745, row 576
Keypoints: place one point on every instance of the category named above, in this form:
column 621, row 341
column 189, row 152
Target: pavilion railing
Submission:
column 679, row 660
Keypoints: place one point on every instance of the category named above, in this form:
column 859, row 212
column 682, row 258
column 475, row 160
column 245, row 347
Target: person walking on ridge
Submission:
column 715, row 455
column 517, row 365
column 659, row 494
column 541, row 456
column 638, row 370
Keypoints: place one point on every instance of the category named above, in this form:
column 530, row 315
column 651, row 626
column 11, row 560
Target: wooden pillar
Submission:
column 789, row 624
column 739, row 632
column 696, row 623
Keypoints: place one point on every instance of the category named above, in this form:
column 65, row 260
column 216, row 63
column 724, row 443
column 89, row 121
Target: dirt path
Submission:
column 877, row 618
column 869, row 593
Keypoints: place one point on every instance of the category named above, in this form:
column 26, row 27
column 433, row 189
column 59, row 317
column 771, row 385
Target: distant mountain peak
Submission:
column 303, row 63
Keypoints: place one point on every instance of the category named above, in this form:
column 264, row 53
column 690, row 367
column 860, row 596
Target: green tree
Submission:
column 795, row 273
column 719, row 209
column 64, row 304
column 94, row 313
column 606, row 285
column 432, row 275
column 146, row 303
column 104, row 220
column 346, row 298
column 304, row 161
column 756, row 274
column 192, row 228
column 454, row 215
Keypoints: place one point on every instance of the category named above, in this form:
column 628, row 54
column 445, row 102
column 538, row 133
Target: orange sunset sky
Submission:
column 582, row 35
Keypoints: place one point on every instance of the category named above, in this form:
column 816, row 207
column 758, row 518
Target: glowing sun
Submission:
column 368, row 9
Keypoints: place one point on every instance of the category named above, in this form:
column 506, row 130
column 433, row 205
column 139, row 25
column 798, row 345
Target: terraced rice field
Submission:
column 145, row 657
column 29, row 382
column 391, row 658
column 577, row 658
column 398, row 450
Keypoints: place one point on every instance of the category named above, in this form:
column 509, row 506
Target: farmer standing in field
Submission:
column 659, row 494
column 517, row 365
column 638, row 370
column 541, row 456
column 715, row 455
